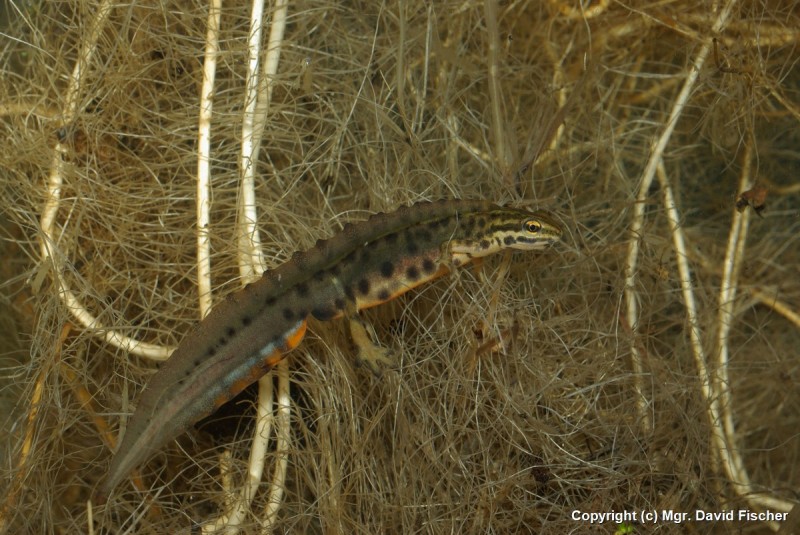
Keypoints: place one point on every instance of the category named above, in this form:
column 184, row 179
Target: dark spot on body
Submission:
column 485, row 244
column 246, row 320
column 230, row 332
column 269, row 301
column 323, row 313
column 363, row 286
column 481, row 222
column 424, row 236
column 302, row 289
column 339, row 303
column 412, row 273
column 509, row 240
column 428, row 266
column 288, row 314
column 387, row 269
column 222, row 341
column 391, row 238
column 212, row 351
column 411, row 247
column 384, row 295
column 365, row 255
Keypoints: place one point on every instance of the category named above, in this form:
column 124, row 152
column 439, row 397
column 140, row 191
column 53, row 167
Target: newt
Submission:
column 366, row 264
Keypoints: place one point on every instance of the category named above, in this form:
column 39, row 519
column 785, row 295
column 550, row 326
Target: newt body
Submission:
column 366, row 264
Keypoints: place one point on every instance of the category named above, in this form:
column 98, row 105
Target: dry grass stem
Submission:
column 204, row 158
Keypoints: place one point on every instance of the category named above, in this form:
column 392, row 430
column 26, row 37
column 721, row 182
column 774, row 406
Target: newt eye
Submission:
column 532, row 226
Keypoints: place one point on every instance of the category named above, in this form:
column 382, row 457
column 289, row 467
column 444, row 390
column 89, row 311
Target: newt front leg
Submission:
column 373, row 356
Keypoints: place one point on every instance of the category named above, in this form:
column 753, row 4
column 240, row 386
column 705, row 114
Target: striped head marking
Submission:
column 534, row 231
column 485, row 233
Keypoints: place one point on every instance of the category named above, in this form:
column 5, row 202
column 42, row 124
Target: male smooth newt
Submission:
column 366, row 264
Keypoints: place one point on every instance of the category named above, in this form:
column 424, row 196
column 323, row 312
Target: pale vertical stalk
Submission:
column 400, row 66
column 637, row 223
column 689, row 302
column 632, row 310
column 55, row 181
column 734, row 253
column 258, row 94
column 258, row 449
column 265, row 385
column 251, row 263
column 559, row 81
column 268, row 73
column 495, row 94
column 715, row 390
column 230, row 519
column 204, row 160
column 239, row 510
column 283, row 436
column 737, row 238
column 419, row 116
column 727, row 452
